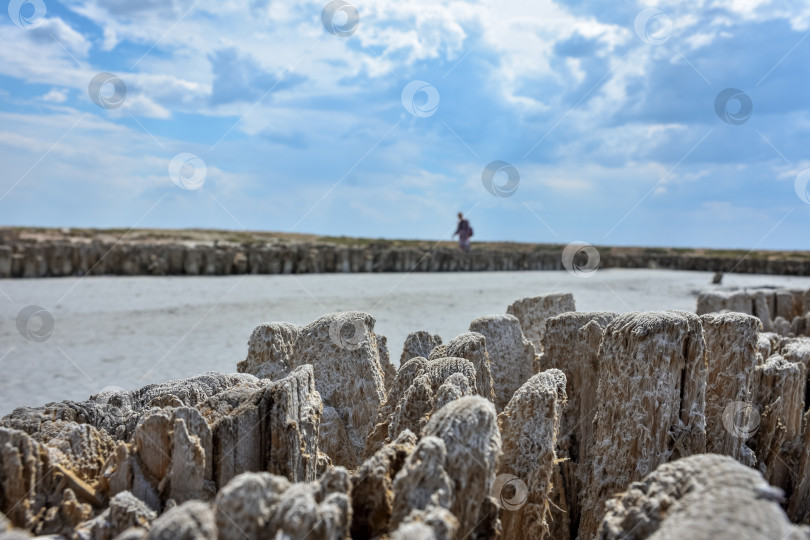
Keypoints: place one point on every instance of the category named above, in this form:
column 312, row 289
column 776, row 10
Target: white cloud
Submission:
column 348, row 100
column 20, row 142
column 55, row 95
column 392, row 36
column 54, row 29
column 790, row 172
column 725, row 211
column 110, row 39
column 141, row 105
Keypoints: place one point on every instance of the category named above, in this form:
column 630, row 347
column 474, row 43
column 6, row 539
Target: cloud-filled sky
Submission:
column 378, row 118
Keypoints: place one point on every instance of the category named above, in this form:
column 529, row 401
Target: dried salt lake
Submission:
column 131, row 331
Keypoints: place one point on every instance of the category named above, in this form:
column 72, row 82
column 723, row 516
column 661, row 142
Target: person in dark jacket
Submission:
column 464, row 232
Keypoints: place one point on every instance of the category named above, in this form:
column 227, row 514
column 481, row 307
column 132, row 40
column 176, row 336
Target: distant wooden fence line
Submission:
column 55, row 259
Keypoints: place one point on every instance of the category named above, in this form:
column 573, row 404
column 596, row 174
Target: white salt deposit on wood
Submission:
column 652, row 382
column 419, row 344
column 529, row 426
column 242, row 456
column 731, row 342
column 700, row 497
column 533, row 313
column 512, row 357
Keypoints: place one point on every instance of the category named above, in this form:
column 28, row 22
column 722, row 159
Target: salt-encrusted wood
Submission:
column 731, row 356
column 469, row 429
column 511, row 355
column 270, row 350
column 529, row 425
column 372, row 493
column 532, row 313
column 779, row 400
column 799, row 504
column 652, row 385
column 420, row 388
column 419, row 343
column 473, row 347
column 571, row 344
column 699, row 497
column 342, row 349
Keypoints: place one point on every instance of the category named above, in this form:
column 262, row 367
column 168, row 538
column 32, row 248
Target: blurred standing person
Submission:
column 464, row 232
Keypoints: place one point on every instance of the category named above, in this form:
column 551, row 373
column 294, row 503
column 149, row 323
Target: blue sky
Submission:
column 606, row 110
